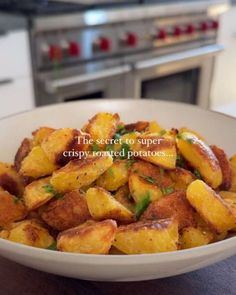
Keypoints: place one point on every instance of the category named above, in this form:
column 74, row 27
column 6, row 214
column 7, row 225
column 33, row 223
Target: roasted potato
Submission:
column 193, row 237
column 36, row 164
column 115, row 176
column 123, row 196
column 79, row 173
column 62, row 140
column 40, row 134
column 173, row 206
column 139, row 126
column 22, row 152
column 67, row 212
column 10, row 180
column 201, row 157
column 186, row 129
column 31, row 233
column 11, row 208
column 211, row 207
column 154, row 127
column 225, row 167
column 156, row 149
column 102, row 205
column 102, row 126
column 181, row 178
column 233, row 169
column 147, row 237
column 37, row 193
column 89, row 238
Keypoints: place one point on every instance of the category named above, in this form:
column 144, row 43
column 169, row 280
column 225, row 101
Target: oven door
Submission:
column 106, row 83
column 184, row 76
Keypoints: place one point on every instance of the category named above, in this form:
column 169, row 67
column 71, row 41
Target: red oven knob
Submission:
column 190, row 29
column 162, row 34
column 215, row 25
column 55, row 53
column 104, row 44
column 131, row 39
column 204, row 26
column 74, row 49
column 178, row 31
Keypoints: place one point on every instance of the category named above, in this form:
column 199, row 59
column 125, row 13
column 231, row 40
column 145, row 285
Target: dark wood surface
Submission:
column 218, row 279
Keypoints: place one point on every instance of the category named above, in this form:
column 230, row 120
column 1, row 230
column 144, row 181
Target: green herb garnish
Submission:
column 110, row 172
column 49, row 188
column 149, row 179
column 110, row 148
column 162, row 132
column 95, row 147
column 58, row 196
column 142, row 205
column 129, row 163
column 180, row 161
column 197, row 174
column 52, row 247
column 179, row 136
column 125, row 148
column 189, row 140
column 167, row 190
column 16, row 200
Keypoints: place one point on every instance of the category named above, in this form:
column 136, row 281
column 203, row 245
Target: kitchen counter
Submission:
column 218, row 279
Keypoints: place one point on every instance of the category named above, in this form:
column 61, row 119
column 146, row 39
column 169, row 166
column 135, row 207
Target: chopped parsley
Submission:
column 129, row 163
column 110, row 148
column 95, row 147
column 121, row 130
column 189, row 140
column 162, row 132
column 197, row 174
column 125, row 148
column 52, row 247
column 149, row 179
column 50, row 189
column 167, row 190
column 180, row 161
column 142, row 205
column 110, row 172
column 179, row 136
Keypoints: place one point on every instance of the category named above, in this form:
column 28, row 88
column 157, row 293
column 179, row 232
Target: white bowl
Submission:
column 217, row 128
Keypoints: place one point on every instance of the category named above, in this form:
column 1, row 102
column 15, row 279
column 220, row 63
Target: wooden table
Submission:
column 219, row 279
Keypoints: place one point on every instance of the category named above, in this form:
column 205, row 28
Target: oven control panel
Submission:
column 73, row 45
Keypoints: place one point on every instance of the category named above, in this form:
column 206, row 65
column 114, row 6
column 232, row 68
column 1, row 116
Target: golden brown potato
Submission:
column 173, row 206
column 10, row 180
column 79, row 173
column 233, row 169
column 89, row 238
column 63, row 140
column 67, row 212
column 22, row 152
column 37, row 193
column 181, row 178
column 211, row 207
column 11, row 208
column 30, row 233
column 112, row 251
column 156, row 149
column 139, row 126
column 194, row 237
column 154, row 127
column 40, row 134
column 147, row 237
column 201, row 157
column 128, row 138
column 224, row 165
column 186, row 129
column 115, row 176
column 102, row 205
column 102, row 126
column 123, row 196
column 4, row 234
column 36, row 164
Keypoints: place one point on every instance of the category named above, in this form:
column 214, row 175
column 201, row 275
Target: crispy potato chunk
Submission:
column 62, row 140
column 68, row 212
column 79, row 173
column 40, row 134
column 4, row 234
column 186, row 129
column 211, row 207
column 181, row 178
column 194, row 237
column 201, row 157
column 102, row 126
column 128, row 138
column 23, row 151
column 36, row 193
column 123, row 196
column 224, row 165
column 32, row 234
column 233, row 169
column 163, row 150
column 10, row 180
column 89, row 238
column 139, row 126
column 173, row 206
column 147, row 237
column 11, row 208
column 154, row 127
column 102, row 205
column 115, row 176
column 36, row 164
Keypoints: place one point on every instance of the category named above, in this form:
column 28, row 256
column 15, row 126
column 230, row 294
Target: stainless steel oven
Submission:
column 183, row 76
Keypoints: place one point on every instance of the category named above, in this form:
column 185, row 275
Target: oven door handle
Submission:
column 201, row 52
column 54, row 85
